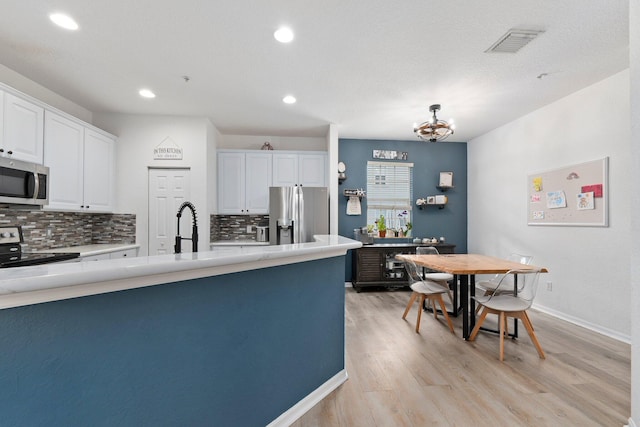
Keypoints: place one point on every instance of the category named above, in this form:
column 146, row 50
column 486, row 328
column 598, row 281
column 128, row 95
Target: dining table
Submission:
column 464, row 268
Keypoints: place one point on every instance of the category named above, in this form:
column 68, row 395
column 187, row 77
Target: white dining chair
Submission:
column 442, row 279
column 513, row 304
column 423, row 290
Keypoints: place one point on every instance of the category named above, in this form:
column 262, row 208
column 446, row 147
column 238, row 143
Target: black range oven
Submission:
column 11, row 254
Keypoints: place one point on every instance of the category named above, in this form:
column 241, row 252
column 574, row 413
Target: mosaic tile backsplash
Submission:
column 234, row 227
column 48, row 230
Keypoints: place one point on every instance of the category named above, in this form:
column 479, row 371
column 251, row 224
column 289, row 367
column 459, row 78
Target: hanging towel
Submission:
column 353, row 206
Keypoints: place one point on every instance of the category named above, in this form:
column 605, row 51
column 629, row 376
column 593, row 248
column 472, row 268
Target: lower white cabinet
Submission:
column 81, row 165
column 127, row 253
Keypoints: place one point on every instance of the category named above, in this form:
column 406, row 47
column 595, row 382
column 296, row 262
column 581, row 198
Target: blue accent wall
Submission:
column 232, row 350
column 429, row 160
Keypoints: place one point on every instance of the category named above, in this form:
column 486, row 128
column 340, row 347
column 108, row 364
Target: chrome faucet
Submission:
column 194, row 233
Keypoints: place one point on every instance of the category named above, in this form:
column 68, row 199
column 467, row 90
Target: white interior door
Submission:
column 168, row 189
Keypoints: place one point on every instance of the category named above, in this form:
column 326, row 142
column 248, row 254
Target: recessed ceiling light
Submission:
column 283, row 35
column 289, row 99
column 64, row 21
column 146, row 93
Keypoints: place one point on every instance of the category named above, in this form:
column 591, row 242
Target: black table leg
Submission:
column 464, row 296
column 472, row 302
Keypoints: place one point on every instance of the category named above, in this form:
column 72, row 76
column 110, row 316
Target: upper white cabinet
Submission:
column 22, row 129
column 244, row 178
column 64, row 154
column 99, row 171
column 301, row 168
column 81, row 165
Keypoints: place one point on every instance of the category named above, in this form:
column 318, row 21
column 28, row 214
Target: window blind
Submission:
column 389, row 191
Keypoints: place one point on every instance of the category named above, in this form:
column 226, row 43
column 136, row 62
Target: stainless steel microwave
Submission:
column 23, row 183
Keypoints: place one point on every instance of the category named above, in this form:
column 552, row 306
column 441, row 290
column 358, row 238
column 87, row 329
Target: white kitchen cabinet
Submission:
column 244, row 178
column 300, row 168
column 98, row 257
column 81, row 165
column 99, row 171
column 22, row 129
column 127, row 253
column 64, row 155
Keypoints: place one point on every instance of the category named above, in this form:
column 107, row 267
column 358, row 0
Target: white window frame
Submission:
column 387, row 193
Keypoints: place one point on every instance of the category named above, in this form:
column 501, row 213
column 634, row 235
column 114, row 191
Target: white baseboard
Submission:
column 299, row 409
column 631, row 423
column 348, row 285
column 581, row 322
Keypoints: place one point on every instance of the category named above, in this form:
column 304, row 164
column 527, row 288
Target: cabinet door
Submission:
column 257, row 182
column 23, row 129
column 64, row 155
column 231, row 183
column 285, row 169
column 127, row 253
column 369, row 265
column 312, row 170
column 99, row 171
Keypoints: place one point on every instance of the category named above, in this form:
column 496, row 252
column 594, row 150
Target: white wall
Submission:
column 31, row 88
column 252, row 142
column 137, row 137
column 589, row 266
column 634, row 176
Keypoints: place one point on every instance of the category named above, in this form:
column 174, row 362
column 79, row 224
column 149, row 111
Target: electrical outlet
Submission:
column 549, row 286
column 249, row 229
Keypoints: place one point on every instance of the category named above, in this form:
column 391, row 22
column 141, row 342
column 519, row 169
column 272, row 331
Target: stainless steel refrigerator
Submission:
column 297, row 213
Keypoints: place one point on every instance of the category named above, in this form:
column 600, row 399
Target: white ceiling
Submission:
column 372, row 67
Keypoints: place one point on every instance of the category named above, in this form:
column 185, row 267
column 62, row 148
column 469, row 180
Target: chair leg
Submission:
column 479, row 323
column 433, row 307
column 502, row 319
column 422, row 298
column 529, row 327
column 445, row 314
column 414, row 295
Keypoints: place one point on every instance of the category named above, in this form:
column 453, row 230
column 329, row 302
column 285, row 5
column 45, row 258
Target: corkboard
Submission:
column 575, row 195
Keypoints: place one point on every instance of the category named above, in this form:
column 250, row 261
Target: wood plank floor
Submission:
column 400, row 378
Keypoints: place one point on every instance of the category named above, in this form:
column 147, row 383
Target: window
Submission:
column 389, row 193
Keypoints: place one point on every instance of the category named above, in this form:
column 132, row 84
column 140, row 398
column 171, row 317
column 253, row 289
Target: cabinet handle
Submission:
column 1, row 150
column 9, row 152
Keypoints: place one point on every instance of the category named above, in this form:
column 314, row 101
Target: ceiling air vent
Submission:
column 513, row 41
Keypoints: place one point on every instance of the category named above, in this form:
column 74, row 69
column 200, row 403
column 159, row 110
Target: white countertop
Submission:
column 92, row 250
column 56, row 281
column 245, row 242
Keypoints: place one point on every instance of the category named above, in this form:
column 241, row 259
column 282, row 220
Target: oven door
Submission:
column 23, row 183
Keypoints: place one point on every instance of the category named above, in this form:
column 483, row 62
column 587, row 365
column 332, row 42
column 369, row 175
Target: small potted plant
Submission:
column 407, row 232
column 382, row 226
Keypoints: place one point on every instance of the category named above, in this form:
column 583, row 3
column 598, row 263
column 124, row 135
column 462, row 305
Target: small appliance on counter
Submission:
column 11, row 254
column 262, row 232
column 363, row 236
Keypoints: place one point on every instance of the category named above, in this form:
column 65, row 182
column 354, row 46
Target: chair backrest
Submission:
column 426, row 250
column 522, row 259
column 413, row 271
column 527, row 284
column 507, row 282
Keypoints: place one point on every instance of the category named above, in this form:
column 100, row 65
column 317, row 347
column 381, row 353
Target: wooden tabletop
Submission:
column 468, row 263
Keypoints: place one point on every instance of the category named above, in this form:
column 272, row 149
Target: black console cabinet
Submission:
column 375, row 265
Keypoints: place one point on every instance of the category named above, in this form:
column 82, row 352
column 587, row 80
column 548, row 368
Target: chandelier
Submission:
column 435, row 129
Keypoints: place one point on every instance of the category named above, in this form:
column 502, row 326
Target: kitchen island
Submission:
column 236, row 336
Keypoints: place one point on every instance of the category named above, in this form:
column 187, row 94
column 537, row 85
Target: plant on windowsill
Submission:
column 382, row 226
column 407, row 232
